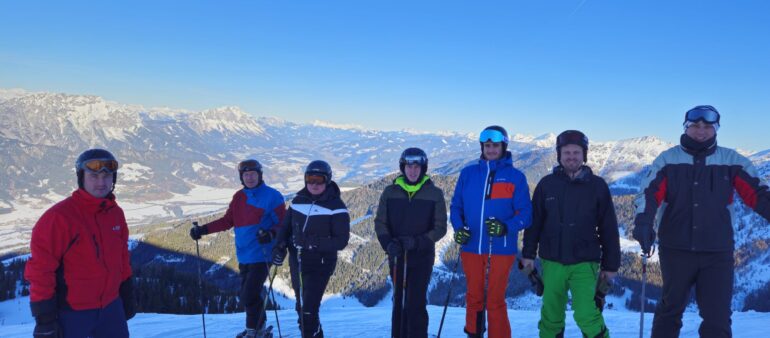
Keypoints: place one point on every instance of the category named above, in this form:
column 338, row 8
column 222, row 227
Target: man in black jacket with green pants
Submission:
column 411, row 217
column 575, row 232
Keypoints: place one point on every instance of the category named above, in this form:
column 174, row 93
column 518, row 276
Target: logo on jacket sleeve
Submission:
column 116, row 228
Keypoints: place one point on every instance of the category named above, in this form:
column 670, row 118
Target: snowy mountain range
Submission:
column 177, row 164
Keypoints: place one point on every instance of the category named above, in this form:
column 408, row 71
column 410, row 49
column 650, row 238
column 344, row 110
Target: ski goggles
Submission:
column 707, row 114
column 99, row 165
column 249, row 165
column 491, row 135
column 572, row 137
column 414, row 159
column 315, row 179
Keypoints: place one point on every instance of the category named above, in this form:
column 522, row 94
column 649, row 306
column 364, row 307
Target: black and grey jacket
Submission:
column 323, row 221
column 573, row 221
column 421, row 214
column 690, row 195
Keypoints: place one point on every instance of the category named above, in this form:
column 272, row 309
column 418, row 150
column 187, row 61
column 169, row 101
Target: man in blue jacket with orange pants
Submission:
column 491, row 204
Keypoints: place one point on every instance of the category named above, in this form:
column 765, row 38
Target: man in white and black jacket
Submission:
column 316, row 226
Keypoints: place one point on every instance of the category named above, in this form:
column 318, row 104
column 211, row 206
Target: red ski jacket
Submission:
column 79, row 252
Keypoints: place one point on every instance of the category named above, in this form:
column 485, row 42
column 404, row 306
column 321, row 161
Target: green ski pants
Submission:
column 580, row 280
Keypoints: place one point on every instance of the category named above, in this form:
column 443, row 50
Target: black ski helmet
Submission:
column 572, row 137
column 488, row 134
column 249, row 165
column 413, row 156
column 320, row 168
column 96, row 154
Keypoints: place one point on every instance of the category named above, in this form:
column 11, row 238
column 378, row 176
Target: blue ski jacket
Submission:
column 491, row 189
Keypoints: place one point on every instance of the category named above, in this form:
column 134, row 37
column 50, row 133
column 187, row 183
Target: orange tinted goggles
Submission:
column 101, row 165
column 314, row 179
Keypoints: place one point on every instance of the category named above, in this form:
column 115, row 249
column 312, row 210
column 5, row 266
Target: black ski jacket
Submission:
column 573, row 221
column 422, row 215
column 322, row 220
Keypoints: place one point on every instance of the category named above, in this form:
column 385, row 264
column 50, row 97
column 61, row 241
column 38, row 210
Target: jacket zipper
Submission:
column 483, row 199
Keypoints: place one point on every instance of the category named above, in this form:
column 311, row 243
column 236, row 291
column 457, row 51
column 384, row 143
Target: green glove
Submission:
column 495, row 228
column 462, row 236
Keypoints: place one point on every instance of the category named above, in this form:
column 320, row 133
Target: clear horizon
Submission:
column 615, row 70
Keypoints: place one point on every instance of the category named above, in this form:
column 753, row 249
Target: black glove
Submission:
column 645, row 235
column 265, row 237
column 127, row 296
column 603, row 287
column 46, row 323
column 495, row 227
column 463, row 235
column 408, row 242
column 279, row 254
column 196, row 232
column 47, row 330
column 394, row 248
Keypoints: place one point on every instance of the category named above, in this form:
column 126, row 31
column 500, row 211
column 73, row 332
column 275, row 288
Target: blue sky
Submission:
column 614, row 69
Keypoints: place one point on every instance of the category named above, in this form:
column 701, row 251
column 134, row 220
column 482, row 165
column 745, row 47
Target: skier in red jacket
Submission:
column 79, row 271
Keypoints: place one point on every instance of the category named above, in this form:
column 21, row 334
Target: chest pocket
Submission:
column 502, row 190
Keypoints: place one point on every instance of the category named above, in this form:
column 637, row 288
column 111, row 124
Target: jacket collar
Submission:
column 93, row 204
column 583, row 176
column 505, row 160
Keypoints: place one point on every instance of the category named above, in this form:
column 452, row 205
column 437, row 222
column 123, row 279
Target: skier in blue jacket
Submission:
column 491, row 204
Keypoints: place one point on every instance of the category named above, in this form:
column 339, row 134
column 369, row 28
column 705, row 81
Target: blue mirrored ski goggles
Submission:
column 491, row 135
column 706, row 114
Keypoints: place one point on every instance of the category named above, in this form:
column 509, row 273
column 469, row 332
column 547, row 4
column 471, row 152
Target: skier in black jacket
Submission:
column 411, row 218
column 316, row 226
column 575, row 232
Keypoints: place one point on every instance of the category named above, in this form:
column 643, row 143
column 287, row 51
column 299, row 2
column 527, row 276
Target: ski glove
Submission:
column 394, row 248
column 196, row 232
column 47, row 330
column 279, row 254
column 645, row 235
column 46, row 323
column 603, row 287
column 265, row 237
column 495, row 227
column 462, row 236
column 408, row 242
column 127, row 297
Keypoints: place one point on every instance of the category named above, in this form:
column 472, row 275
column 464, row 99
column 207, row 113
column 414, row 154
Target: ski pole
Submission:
column 486, row 289
column 301, row 293
column 404, row 300
column 275, row 307
column 268, row 293
column 395, row 326
column 200, row 284
column 642, row 299
column 449, row 293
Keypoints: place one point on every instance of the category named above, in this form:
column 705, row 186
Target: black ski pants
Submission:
column 712, row 275
column 253, row 278
column 410, row 319
column 316, row 272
